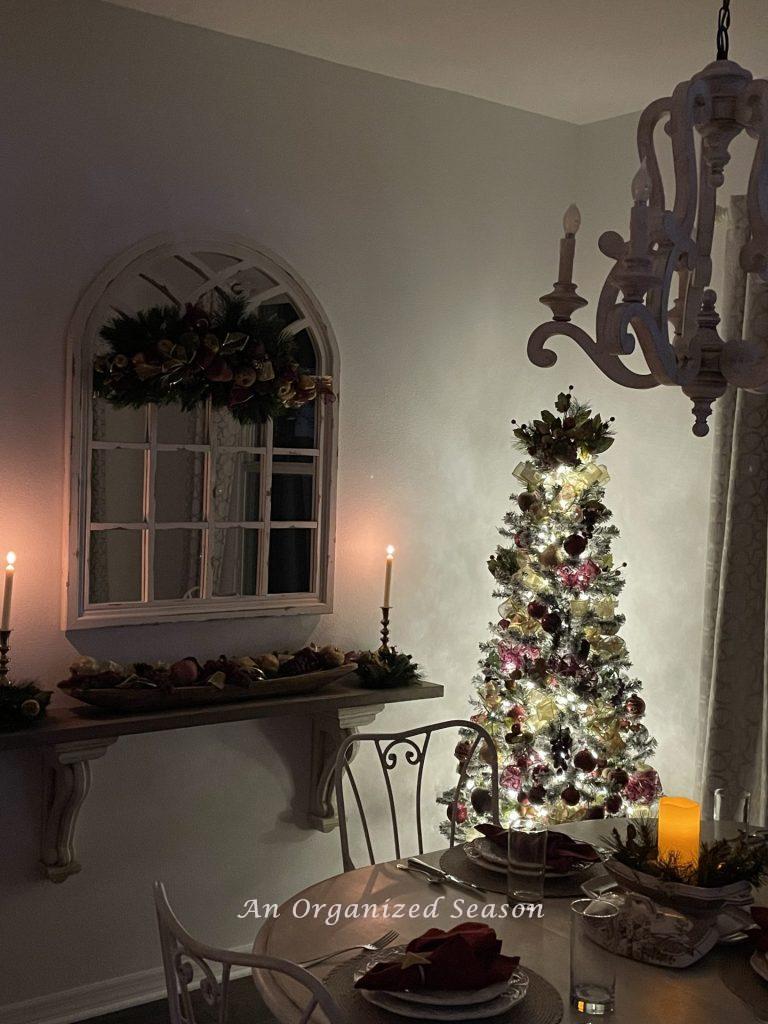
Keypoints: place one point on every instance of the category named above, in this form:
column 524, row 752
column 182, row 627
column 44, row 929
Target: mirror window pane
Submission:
column 113, row 424
column 293, row 491
column 234, row 561
column 177, row 564
column 179, row 487
column 179, row 426
column 226, row 431
column 117, row 485
column 237, row 487
column 290, row 560
column 281, row 307
column 297, row 429
column 114, row 566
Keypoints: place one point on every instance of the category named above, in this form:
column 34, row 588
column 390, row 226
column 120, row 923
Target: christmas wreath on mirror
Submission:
column 240, row 358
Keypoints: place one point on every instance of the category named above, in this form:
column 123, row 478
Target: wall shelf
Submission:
column 70, row 738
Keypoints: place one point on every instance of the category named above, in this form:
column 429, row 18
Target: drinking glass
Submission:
column 593, row 968
column 731, row 804
column 526, row 862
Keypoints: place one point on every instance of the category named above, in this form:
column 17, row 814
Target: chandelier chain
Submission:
column 723, row 24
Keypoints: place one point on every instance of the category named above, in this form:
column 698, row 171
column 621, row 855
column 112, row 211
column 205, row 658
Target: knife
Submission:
column 443, row 876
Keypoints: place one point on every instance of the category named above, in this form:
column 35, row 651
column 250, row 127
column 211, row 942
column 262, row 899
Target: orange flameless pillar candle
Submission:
column 679, row 829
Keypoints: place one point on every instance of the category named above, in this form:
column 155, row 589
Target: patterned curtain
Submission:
column 733, row 742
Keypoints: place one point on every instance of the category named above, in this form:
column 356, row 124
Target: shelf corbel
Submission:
column 328, row 732
column 67, row 779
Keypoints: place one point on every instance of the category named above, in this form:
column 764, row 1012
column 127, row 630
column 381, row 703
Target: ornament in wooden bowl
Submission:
column 141, row 686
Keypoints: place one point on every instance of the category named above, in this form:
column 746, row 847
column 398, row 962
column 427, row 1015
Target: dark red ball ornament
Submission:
column 585, row 761
column 463, row 747
column 570, row 796
column 457, row 812
column 551, row 622
column 635, row 706
column 575, row 545
column 537, row 609
column 482, row 801
column 613, row 803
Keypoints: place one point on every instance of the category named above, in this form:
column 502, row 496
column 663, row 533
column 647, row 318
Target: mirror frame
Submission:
column 95, row 307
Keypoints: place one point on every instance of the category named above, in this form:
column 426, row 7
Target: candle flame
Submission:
column 10, row 559
column 390, row 551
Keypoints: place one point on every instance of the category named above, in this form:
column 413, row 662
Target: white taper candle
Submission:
column 10, row 569
column 388, row 576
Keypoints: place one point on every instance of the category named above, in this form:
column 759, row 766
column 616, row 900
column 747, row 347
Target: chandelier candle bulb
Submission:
column 10, row 570
column 388, row 576
column 679, row 830
column 571, row 223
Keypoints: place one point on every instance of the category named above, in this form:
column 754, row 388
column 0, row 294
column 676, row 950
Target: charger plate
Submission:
column 518, row 981
column 542, row 1004
column 455, row 862
column 483, row 852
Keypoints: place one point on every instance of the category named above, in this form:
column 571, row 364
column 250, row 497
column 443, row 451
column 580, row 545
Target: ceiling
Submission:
column 579, row 60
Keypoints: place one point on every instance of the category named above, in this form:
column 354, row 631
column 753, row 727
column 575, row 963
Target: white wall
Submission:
column 427, row 224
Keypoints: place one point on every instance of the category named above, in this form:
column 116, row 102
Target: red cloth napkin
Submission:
column 759, row 939
column 465, row 958
column 563, row 853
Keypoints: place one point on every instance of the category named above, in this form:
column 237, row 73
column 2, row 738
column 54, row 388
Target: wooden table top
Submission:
column 644, row 994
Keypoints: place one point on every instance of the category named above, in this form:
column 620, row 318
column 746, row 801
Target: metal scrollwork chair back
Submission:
column 414, row 744
column 183, row 955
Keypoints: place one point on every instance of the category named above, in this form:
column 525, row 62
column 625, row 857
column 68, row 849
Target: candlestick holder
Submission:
column 384, row 629
column 5, row 647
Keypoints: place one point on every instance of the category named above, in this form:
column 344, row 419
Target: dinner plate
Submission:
column 422, row 1011
column 485, row 855
column 759, row 964
column 517, row 982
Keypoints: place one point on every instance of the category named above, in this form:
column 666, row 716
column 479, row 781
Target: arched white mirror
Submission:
column 180, row 513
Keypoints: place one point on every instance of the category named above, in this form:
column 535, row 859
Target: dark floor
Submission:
column 245, row 1007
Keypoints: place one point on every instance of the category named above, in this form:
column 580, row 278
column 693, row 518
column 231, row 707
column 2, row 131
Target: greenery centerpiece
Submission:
column 22, row 703
column 725, row 872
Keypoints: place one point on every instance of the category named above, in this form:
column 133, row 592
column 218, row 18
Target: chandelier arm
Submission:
column 698, row 259
column 646, row 148
column 606, row 361
column 754, row 115
column 659, row 354
column 691, row 103
column 606, row 339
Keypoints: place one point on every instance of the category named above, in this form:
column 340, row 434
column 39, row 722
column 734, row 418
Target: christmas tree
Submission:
column 554, row 688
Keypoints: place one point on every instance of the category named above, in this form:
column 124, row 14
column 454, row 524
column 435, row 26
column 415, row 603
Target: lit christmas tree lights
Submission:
column 554, row 688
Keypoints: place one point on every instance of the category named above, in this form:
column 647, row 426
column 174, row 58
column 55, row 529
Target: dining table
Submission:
column 316, row 921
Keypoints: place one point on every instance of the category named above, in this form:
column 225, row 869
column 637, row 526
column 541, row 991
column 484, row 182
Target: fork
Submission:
column 369, row 947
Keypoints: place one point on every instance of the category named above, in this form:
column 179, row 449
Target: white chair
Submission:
column 182, row 954
column 415, row 744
